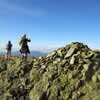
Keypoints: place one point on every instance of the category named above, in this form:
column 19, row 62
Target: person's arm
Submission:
column 28, row 40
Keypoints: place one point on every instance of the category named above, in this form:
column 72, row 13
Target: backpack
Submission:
column 20, row 43
column 23, row 43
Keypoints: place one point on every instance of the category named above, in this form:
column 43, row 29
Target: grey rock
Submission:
column 70, row 52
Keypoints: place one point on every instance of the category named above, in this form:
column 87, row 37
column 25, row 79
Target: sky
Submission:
column 50, row 23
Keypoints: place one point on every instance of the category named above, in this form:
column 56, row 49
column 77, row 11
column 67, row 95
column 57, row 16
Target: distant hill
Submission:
column 38, row 53
column 33, row 53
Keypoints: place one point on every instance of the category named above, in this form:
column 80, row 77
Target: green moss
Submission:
column 34, row 75
column 64, row 79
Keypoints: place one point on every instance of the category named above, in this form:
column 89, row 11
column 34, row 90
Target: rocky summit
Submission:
column 68, row 73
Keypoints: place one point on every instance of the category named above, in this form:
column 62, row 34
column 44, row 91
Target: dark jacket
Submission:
column 24, row 47
column 9, row 46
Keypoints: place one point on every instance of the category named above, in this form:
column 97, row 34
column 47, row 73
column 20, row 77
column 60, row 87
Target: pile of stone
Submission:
column 69, row 73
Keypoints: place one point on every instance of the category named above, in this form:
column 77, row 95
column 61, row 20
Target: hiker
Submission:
column 24, row 47
column 8, row 50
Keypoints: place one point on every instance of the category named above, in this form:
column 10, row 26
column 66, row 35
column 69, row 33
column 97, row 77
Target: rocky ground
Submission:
column 69, row 73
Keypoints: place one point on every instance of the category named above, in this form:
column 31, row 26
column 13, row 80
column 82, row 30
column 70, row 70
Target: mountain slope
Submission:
column 69, row 73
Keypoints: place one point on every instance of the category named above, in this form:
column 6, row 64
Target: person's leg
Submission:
column 9, row 54
column 25, row 56
column 22, row 56
column 6, row 55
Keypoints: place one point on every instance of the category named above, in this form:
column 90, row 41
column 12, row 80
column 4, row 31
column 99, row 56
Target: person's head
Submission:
column 9, row 42
column 24, row 36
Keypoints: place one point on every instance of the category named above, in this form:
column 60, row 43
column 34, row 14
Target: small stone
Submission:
column 70, row 76
column 86, row 66
column 72, row 61
column 59, row 52
column 51, row 54
column 94, row 78
column 70, row 52
column 98, row 77
column 74, row 96
column 64, row 62
column 43, row 67
column 89, row 56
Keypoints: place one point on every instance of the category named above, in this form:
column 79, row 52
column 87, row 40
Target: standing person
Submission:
column 24, row 47
column 8, row 50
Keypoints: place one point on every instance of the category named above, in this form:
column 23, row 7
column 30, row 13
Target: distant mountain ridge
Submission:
column 33, row 53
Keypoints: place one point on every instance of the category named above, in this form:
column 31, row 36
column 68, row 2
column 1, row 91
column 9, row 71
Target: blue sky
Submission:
column 50, row 23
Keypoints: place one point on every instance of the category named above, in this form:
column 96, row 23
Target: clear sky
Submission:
column 50, row 23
